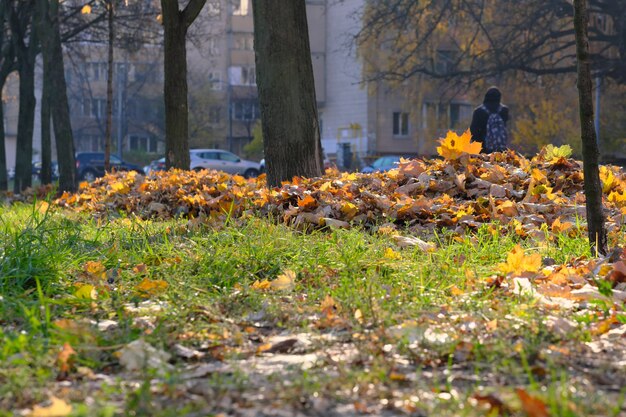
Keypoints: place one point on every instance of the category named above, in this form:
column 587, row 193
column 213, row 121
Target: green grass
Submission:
column 210, row 303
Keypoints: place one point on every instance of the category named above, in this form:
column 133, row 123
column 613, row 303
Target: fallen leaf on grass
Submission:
column 140, row 355
column 284, row 282
column 284, row 346
column 533, row 406
column 494, row 405
column 64, row 358
column 86, row 292
column 517, row 262
column 405, row 241
column 57, row 408
column 148, row 287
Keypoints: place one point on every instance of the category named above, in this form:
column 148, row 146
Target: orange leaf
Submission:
column 453, row 146
column 307, row 202
column 64, row 358
column 149, row 287
column 533, row 406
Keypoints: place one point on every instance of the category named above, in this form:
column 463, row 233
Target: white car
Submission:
column 222, row 160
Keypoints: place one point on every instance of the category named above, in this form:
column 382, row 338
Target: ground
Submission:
column 456, row 287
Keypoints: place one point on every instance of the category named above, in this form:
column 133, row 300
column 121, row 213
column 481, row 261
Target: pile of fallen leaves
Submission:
column 461, row 191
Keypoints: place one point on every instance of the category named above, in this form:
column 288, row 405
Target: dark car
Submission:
column 54, row 167
column 90, row 165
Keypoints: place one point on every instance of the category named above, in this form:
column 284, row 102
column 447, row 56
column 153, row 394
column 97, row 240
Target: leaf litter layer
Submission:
column 475, row 299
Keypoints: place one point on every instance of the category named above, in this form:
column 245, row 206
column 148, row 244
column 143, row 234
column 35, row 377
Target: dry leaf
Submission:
column 517, row 262
column 453, row 146
column 533, row 406
column 64, row 358
column 284, row 282
column 57, row 408
column 148, row 287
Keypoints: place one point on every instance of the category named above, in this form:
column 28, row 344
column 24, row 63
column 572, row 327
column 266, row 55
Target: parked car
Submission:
column 10, row 173
column 382, row 164
column 156, row 165
column 222, row 160
column 90, row 165
column 37, row 170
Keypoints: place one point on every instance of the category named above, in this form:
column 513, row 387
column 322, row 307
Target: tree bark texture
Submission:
column 25, row 125
column 291, row 137
column 7, row 60
column 60, row 111
column 176, row 23
column 591, row 153
column 4, row 180
column 45, row 175
column 109, row 110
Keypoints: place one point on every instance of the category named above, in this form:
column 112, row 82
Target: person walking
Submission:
column 489, row 123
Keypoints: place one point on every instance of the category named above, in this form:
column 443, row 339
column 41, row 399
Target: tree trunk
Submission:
column 45, row 175
column 25, row 124
column 4, row 181
column 54, row 67
column 176, row 107
column 591, row 153
column 290, row 125
column 175, row 25
column 109, row 111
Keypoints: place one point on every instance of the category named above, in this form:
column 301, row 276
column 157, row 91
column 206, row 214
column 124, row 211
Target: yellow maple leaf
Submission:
column 86, row 9
column 453, row 146
column 57, row 408
column 391, row 254
column 284, row 282
column 517, row 262
column 261, row 285
column 619, row 199
column 149, row 287
column 86, row 292
column 349, row 209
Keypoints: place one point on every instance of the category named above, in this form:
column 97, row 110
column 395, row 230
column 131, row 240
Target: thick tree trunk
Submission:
column 25, row 125
column 109, row 112
column 45, row 174
column 176, row 107
column 4, row 181
column 291, row 137
column 54, row 67
column 591, row 153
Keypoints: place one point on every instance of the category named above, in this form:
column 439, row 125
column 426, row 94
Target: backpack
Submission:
column 496, row 137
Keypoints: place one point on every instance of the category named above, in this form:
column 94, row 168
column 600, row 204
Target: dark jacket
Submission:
column 478, row 127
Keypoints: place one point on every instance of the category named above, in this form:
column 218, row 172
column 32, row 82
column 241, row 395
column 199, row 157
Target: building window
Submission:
column 243, row 41
column 245, row 110
column 248, row 76
column 242, row 76
column 241, row 7
column 142, row 143
column 400, row 124
column 215, row 115
column 215, row 78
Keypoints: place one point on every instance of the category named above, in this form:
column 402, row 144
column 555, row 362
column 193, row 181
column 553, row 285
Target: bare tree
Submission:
column 176, row 23
column 7, row 66
column 465, row 41
column 591, row 153
column 55, row 86
column 286, row 90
